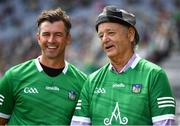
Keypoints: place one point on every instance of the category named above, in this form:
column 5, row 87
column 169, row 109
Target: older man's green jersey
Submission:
column 139, row 96
column 28, row 96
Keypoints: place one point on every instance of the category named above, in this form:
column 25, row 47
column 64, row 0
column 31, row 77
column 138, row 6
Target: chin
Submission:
column 110, row 54
column 51, row 56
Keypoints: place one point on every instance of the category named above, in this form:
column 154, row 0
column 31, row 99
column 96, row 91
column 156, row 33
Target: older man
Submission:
column 129, row 90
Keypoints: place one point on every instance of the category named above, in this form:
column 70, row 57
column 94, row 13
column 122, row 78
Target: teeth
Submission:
column 52, row 47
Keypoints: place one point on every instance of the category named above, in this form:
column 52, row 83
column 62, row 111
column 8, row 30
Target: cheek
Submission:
column 41, row 42
column 42, row 39
column 102, row 44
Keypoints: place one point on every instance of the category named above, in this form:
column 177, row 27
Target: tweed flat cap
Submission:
column 114, row 14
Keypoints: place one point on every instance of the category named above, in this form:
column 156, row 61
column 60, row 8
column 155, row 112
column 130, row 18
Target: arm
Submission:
column 6, row 100
column 80, row 121
column 166, row 122
column 3, row 121
column 162, row 101
column 81, row 114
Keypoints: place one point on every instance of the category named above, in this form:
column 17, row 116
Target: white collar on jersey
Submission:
column 133, row 61
column 39, row 67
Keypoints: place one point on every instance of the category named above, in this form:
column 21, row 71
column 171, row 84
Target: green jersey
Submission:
column 139, row 96
column 28, row 96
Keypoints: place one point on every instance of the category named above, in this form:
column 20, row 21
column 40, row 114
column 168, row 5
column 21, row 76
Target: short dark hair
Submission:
column 54, row 15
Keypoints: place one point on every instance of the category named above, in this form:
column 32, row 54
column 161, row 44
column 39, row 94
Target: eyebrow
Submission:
column 107, row 30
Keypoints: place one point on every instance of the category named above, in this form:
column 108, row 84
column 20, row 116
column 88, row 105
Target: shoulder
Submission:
column 100, row 72
column 148, row 66
column 96, row 78
column 74, row 71
column 20, row 68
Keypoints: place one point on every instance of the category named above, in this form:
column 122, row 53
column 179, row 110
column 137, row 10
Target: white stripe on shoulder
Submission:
column 163, row 117
column 5, row 116
column 78, row 108
column 79, row 100
column 81, row 119
column 166, row 105
column 1, row 99
column 166, row 102
column 1, row 96
column 79, row 104
column 165, row 98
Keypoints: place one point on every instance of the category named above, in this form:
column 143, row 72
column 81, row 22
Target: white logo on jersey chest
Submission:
column 30, row 90
column 100, row 91
column 53, row 88
column 118, row 85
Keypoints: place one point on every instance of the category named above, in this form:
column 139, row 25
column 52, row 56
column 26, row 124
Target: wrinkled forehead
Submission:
column 109, row 26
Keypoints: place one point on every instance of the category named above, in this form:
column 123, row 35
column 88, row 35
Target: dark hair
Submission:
column 53, row 16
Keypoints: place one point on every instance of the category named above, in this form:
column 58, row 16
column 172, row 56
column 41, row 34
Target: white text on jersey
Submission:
column 30, row 90
column 100, row 90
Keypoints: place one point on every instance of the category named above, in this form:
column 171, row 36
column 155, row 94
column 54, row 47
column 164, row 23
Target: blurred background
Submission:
column 158, row 23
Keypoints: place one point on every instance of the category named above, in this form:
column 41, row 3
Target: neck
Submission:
column 120, row 61
column 52, row 63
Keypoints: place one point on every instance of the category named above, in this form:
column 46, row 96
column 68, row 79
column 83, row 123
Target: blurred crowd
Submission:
column 158, row 23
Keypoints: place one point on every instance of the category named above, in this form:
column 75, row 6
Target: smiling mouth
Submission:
column 51, row 47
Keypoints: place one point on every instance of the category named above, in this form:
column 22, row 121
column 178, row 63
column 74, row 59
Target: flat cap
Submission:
column 114, row 14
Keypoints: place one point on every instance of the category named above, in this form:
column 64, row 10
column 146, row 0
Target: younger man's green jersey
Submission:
column 139, row 96
column 28, row 96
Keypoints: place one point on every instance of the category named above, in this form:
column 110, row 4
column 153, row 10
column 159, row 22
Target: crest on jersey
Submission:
column 116, row 116
column 72, row 95
column 136, row 88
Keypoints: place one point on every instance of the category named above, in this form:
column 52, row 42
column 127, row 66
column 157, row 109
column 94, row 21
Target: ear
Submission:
column 131, row 34
column 37, row 37
column 69, row 38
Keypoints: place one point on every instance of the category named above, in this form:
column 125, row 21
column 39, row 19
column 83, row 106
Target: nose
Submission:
column 105, row 38
column 51, row 39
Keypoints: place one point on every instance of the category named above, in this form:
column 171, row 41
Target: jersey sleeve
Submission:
column 6, row 96
column 162, row 101
column 82, row 114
